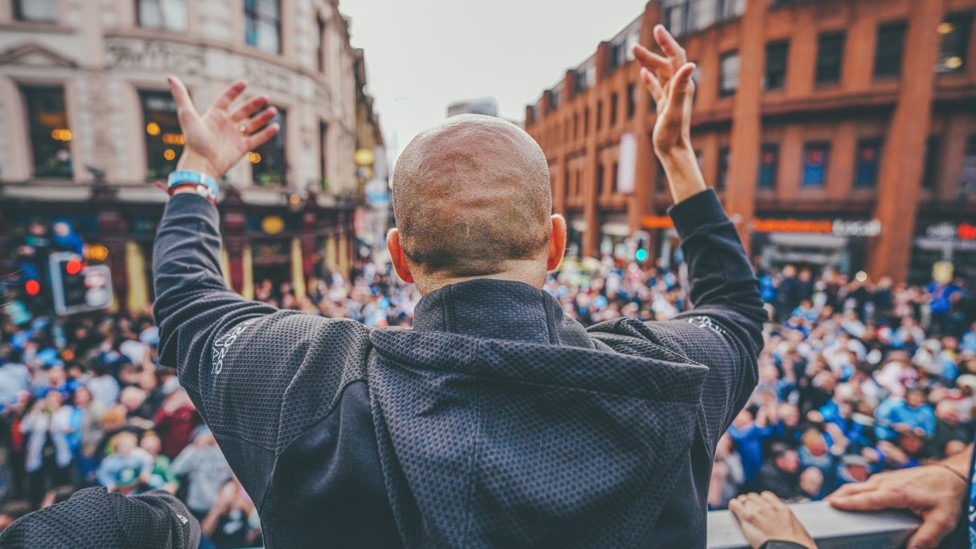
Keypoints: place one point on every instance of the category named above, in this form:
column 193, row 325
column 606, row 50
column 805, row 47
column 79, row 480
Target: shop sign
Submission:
column 837, row 227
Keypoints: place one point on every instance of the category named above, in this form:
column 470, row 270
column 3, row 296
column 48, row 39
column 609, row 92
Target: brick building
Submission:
column 838, row 132
column 87, row 124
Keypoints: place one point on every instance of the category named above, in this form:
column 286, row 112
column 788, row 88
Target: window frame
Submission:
column 964, row 20
column 281, row 119
column 34, row 138
column 723, row 89
column 820, row 69
column 862, row 145
column 808, row 147
column 885, row 51
column 256, row 16
column 784, row 45
column 141, row 24
column 768, row 148
column 151, row 172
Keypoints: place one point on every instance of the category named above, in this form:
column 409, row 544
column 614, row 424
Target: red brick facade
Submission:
column 891, row 139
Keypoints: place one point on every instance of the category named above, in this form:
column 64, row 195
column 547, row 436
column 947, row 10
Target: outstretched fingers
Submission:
column 653, row 85
column 676, row 54
column 262, row 137
column 681, row 88
column 230, row 94
column 259, row 121
column 249, row 107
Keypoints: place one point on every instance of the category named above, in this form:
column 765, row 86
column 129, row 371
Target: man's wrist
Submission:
column 683, row 173
column 193, row 162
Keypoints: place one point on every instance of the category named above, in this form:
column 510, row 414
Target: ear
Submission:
column 557, row 242
column 397, row 256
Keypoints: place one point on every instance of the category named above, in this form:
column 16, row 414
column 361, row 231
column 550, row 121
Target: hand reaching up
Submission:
column 669, row 81
column 220, row 137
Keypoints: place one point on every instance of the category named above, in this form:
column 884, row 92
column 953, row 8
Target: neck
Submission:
column 528, row 272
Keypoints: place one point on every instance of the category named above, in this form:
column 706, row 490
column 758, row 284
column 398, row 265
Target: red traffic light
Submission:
column 73, row 266
column 32, row 287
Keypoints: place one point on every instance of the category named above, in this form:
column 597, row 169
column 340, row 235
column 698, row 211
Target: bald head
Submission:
column 471, row 196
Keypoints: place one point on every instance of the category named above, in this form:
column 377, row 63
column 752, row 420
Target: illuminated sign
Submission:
column 948, row 231
column 837, row 227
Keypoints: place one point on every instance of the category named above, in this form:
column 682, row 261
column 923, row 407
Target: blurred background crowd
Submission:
column 856, row 377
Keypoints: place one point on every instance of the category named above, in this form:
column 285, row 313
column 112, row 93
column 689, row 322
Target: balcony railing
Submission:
column 832, row 529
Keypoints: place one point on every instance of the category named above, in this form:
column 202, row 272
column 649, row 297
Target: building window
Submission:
column 586, row 121
column 321, row 50
column 614, row 101
column 955, row 39
column 868, row 158
column 50, row 137
column 815, row 156
column 554, row 98
column 36, row 10
column 931, row 174
column 324, row 154
column 164, row 140
column 776, row 55
column 599, row 179
column 262, row 24
column 599, row 115
column 616, row 176
column 162, row 14
column 889, row 49
column 631, row 100
column 830, row 57
column 729, row 77
column 662, row 177
column 268, row 161
column 967, row 182
column 724, row 157
column 768, row 166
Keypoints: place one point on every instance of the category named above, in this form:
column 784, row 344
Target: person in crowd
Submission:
column 126, row 466
column 176, row 421
column 812, row 484
column 231, row 521
column 161, row 477
column 205, row 469
column 89, row 429
column 912, row 413
column 748, row 433
column 780, row 474
column 49, row 453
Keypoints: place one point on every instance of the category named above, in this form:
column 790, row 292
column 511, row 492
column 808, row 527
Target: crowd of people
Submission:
column 856, row 377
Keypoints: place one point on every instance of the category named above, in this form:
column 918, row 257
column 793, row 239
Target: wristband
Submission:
column 206, row 186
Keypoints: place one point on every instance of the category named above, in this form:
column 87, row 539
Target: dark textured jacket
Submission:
column 495, row 422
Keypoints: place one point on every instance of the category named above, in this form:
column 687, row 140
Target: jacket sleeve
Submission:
column 94, row 517
column 723, row 331
column 240, row 361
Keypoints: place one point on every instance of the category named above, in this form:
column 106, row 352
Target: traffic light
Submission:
column 76, row 287
column 67, row 282
column 641, row 242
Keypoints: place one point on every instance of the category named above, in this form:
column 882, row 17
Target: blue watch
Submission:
column 206, row 186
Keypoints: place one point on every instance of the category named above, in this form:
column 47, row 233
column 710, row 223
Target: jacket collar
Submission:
column 498, row 309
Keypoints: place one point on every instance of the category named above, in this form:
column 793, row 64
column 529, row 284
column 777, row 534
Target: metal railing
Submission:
column 832, row 529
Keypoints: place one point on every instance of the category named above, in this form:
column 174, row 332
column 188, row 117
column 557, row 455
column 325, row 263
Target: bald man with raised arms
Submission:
column 496, row 421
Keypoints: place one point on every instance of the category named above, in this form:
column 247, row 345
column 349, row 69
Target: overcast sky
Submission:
column 422, row 55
